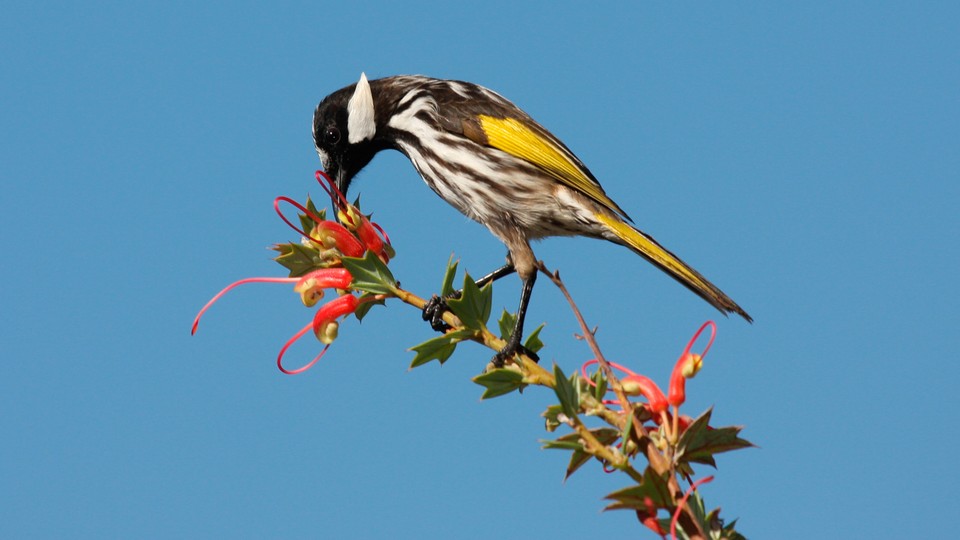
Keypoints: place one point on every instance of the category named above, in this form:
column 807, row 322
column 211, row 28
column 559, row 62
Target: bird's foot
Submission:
column 434, row 310
column 500, row 359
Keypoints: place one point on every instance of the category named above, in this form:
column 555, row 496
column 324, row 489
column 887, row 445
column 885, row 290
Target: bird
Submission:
column 495, row 164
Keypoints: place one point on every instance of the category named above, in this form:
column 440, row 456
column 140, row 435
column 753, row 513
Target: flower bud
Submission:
column 639, row 384
column 692, row 363
column 310, row 294
column 312, row 284
column 368, row 234
column 331, row 234
column 686, row 367
column 330, row 312
column 328, row 332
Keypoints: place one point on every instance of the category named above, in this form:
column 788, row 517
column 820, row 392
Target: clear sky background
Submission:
column 802, row 155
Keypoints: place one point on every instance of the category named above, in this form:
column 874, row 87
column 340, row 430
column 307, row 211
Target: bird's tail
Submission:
column 649, row 249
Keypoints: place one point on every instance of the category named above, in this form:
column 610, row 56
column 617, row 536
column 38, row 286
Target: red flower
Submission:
column 688, row 365
column 331, row 234
column 311, row 288
column 685, row 368
column 325, row 321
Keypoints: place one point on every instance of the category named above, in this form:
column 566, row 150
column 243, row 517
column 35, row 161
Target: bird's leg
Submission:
column 514, row 343
column 435, row 307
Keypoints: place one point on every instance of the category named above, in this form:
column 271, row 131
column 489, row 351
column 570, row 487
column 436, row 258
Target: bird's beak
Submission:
column 340, row 180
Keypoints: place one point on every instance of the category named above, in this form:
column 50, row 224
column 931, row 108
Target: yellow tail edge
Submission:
column 649, row 249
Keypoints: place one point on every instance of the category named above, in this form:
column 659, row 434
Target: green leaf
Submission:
column 506, row 323
column 364, row 307
column 439, row 348
column 473, row 306
column 728, row 532
column 700, row 442
column 570, row 441
column 600, row 386
column 306, row 222
column 533, row 343
column 552, row 416
column 606, row 435
column 710, row 523
column 499, row 382
column 370, row 274
column 297, row 258
column 566, row 390
column 446, row 288
column 634, row 498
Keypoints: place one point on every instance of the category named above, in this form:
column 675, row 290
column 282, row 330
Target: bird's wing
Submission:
column 501, row 125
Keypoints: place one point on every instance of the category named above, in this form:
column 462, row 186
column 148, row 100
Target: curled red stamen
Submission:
column 683, row 501
column 298, row 206
column 614, row 365
column 687, row 366
column 328, row 185
column 713, row 334
column 383, row 233
column 290, row 342
column 196, row 320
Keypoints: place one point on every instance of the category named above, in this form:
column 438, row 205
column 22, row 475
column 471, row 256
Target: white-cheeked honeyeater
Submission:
column 492, row 162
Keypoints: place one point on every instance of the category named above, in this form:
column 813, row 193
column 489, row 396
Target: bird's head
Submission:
column 344, row 132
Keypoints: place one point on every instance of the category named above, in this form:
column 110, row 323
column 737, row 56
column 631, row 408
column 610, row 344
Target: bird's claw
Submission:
column 435, row 308
column 508, row 352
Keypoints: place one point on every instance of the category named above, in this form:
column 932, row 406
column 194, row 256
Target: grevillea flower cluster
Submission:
column 664, row 413
column 316, row 265
column 658, row 403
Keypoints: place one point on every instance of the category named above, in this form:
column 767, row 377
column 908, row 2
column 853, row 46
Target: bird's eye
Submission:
column 332, row 135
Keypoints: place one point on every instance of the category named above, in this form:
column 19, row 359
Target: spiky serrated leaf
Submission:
column 606, row 436
column 307, row 222
column 566, row 390
column 297, row 258
column 473, row 306
column 709, row 522
column 506, row 323
column 365, row 307
column 533, row 343
column 699, row 442
column 698, row 509
column 446, row 288
column 665, row 524
column 570, row 441
column 439, row 348
column 654, row 486
column 729, row 532
column 370, row 274
column 499, row 382
column 599, row 385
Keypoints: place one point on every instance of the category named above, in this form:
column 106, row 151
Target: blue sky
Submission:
column 801, row 155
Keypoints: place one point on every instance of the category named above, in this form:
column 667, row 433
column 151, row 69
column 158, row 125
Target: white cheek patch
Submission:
column 324, row 159
column 360, row 122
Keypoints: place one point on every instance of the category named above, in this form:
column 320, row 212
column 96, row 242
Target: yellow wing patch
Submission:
column 515, row 138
